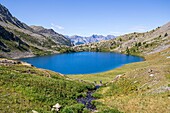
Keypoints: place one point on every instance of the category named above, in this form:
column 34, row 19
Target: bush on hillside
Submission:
column 166, row 34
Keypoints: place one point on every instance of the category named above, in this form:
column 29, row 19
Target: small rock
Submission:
column 34, row 111
column 56, row 107
column 118, row 76
column 151, row 75
column 135, row 82
column 26, row 64
column 95, row 111
column 168, row 57
column 150, row 70
column 61, row 74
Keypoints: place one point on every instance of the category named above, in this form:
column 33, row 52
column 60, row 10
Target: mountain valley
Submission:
column 132, row 88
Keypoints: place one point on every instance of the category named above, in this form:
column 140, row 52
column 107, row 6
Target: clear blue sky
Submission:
column 87, row 17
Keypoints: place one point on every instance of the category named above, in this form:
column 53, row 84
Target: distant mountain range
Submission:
column 77, row 40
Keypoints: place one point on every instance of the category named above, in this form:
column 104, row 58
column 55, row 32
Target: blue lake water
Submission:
column 82, row 62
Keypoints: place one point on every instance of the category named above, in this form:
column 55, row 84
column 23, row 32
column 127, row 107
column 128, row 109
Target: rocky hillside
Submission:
column 19, row 40
column 6, row 16
column 56, row 37
column 77, row 40
column 134, row 43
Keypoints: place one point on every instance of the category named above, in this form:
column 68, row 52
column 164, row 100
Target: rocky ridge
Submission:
column 6, row 17
column 25, row 41
column 56, row 37
column 78, row 40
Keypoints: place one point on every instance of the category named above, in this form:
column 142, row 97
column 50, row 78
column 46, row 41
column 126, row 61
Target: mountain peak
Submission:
column 4, row 11
column 77, row 40
column 41, row 29
column 6, row 16
column 51, row 33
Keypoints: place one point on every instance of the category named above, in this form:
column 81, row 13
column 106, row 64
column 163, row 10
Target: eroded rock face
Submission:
column 56, row 37
column 8, row 36
column 7, row 17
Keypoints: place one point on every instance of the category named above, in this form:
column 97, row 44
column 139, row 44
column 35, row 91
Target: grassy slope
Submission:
column 25, row 88
column 136, row 91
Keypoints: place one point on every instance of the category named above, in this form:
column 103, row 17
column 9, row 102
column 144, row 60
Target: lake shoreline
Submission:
column 82, row 62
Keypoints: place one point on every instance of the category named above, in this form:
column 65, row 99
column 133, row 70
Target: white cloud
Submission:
column 54, row 26
column 116, row 33
column 138, row 29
